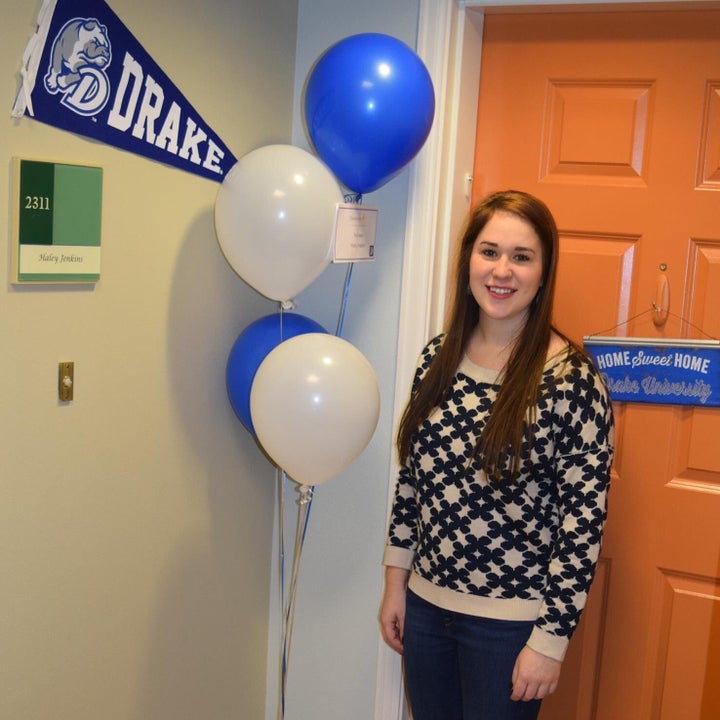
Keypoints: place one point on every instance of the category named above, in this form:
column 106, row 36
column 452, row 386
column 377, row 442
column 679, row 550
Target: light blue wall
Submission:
column 334, row 654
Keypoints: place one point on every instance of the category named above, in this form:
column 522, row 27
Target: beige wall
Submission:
column 136, row 521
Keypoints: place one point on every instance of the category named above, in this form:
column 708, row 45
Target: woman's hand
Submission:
column 534, row 676
column 392, row 608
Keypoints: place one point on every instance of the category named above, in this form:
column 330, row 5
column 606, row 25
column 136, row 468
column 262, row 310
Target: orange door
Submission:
column 614, row 120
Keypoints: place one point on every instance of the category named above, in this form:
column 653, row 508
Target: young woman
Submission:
column 505, row 449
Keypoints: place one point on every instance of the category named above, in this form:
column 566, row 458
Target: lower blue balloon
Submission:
column 369, row 106
column 249, row 350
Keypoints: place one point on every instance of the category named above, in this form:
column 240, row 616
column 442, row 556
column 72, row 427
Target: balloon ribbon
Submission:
column 304, row 503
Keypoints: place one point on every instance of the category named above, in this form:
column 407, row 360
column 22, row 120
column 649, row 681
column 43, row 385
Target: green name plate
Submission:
column 58, row 222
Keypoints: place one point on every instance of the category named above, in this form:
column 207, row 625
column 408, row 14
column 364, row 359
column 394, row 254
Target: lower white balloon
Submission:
column 315, row 404
column 274, row 219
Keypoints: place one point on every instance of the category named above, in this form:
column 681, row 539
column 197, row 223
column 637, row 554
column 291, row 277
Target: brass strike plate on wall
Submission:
column 66, row 381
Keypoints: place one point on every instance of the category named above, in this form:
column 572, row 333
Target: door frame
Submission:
column 450, row 44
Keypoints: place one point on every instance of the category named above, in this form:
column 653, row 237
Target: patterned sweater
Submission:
column 521, row 551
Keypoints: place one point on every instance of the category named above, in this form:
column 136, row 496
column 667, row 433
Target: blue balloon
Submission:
column 369, row 106
column 249, row 350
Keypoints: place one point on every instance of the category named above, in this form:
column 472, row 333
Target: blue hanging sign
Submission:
column 83, row 71
column 674, row 372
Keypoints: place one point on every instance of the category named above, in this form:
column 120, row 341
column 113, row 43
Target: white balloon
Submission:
column 315, row 404
column 274, row 217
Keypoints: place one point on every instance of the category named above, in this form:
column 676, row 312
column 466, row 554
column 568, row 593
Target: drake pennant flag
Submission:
column 83, row 71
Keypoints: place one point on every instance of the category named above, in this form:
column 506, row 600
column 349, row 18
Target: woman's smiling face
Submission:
column 506, row 268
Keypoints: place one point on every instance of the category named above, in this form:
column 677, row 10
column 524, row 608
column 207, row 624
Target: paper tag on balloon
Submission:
column 354, row 236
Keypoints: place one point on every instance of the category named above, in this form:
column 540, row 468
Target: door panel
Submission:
column 613, row 119
column 612, row 257
column 614, row 113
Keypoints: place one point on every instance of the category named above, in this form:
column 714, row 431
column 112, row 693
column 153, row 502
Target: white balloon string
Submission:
column 281, row 543
column 304, row 505
column 281, row 533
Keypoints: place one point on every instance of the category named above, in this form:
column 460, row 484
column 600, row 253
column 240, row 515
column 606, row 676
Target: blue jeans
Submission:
column 459, row 667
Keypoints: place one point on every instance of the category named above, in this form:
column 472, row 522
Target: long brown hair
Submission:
column 501, row 444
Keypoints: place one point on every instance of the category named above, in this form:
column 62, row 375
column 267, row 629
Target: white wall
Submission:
column 334, row 655
column 136, row 521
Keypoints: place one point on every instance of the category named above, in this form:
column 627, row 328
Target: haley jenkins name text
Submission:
column 61, row 258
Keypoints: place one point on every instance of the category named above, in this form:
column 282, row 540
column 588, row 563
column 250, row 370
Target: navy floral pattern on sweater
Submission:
column 521, row 551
